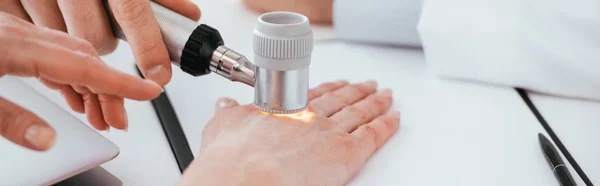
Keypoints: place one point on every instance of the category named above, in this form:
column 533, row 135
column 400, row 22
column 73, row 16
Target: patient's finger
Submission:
column 364, row 111
column 324, row 88
column 225, row 103
column 373, row 135
column 332, row 102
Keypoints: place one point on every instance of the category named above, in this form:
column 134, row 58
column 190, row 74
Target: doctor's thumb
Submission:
column 24, row 128
column 225, row 103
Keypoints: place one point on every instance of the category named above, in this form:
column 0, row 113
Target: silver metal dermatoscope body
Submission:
column 282, row 47
column 283, row 43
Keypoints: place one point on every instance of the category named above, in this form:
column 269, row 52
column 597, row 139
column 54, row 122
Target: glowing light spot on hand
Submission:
column 306, row 115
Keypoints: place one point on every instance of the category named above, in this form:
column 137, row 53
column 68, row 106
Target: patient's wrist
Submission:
column 229, row 169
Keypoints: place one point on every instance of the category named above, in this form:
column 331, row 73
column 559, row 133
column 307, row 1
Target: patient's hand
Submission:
column 242, row 146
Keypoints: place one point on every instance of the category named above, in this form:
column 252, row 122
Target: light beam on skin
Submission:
column 305, row 116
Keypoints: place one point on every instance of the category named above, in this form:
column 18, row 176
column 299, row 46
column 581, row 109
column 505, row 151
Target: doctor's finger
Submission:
column 73, row 98
column 15, row 8
column 113, row 111
column 64, row 40
column 45, row 13
column 143, row 34
column 24, row 128
column 184, row 7
column 88, row 20
column 332, row 102
column 93, row 111
column 66, row 66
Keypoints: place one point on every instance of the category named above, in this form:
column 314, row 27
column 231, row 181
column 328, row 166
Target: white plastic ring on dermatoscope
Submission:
column 283, row 43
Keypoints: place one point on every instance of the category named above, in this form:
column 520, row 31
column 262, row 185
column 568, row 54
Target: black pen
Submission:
column 560, row 170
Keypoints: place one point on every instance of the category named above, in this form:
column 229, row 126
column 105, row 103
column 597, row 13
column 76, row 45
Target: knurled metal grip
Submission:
column 198, row 50
column 279, row 48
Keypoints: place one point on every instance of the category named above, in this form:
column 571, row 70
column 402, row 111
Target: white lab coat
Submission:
column 547, row 46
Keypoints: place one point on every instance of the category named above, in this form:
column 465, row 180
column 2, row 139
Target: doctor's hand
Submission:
column 69, row 65
column 319, row 11
column 326, row 146
column 87, row 19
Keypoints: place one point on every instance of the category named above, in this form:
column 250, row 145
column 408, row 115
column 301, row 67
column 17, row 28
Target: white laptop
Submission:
column 77, row 148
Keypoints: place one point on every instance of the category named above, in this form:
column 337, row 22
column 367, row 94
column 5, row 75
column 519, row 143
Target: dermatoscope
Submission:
column 282, row 44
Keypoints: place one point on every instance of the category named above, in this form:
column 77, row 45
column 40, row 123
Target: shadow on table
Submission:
column 94, row 177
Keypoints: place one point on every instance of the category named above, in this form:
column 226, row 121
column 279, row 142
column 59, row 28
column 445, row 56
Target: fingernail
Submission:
column 153, row 84
column 386, row 93
column 396, row 114
column 159, row 74
column 224, row 103
column 40, row 136
column 371, row 84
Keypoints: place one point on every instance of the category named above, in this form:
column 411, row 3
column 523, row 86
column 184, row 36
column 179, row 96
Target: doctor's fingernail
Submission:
column 153, row 84
column 40, row 136
column 159, row 74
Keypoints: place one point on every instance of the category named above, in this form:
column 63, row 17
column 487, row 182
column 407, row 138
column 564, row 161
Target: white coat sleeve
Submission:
column 545, row 46
column 387, row 22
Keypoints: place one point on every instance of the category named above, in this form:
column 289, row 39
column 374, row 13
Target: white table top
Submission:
column 452, row 133
column 577, row 124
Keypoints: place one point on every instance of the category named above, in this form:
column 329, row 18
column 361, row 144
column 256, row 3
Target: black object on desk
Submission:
column 525, row 96
column 172, row 128
column 560, row 170
column 94, row 177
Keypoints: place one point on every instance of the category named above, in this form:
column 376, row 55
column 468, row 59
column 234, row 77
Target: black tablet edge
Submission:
column 172, row 129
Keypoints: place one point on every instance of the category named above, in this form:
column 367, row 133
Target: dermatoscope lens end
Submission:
column 276, row 111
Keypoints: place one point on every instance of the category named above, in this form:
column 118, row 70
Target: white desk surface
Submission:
column 451, row 133
column 577, row 124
